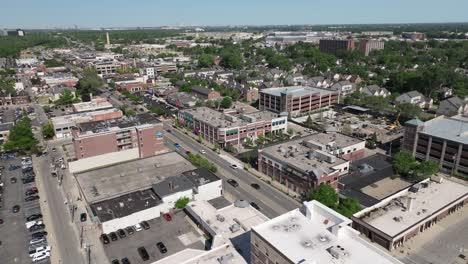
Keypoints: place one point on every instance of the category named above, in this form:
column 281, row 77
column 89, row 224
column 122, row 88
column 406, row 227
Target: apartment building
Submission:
column 442, row 139
column 334, row 46
column 138, row 137
column 297, row 99
column 366, row 46
column 231, row 128
column 313, row 233
column 307, row 162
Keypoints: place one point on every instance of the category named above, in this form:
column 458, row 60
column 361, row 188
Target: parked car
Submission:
column 234, row 166
column 233, row 182
column 34, row 217
column 255, row 186
column 33, row 189
column 33, row 223
column 105, row 239
column 121, row 233
column 168, row 217
column 83, row 217
column 177, row 145
column 113, row 236
column 28, row 180
column 30, row 192
column 31, row 198
column 15, row 208
column 39, row 234
column 138, row 227
column 36, row 227
column 125, row 261
column 13, row 180
column 143, row 253
column 37, row 240
column 130, row 230
column 162, row 248
column 41, row 256
column 254, row 205
column 202, row 151
column 115, row 261
column 145, row 225
column 34, row 250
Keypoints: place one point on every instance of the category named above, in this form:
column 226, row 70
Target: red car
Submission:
column 168, row 217
column 34, row 189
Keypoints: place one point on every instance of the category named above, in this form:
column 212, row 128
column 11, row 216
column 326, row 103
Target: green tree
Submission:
column 48, row 131
column 325, row 194
column 346, row 129
column 404, row 163
column 21, row 136
column 408, row 110
column 248, row 141
column 89, row 84
column 53, row 63
column 260, row 140
column 7, row 86
column 348, row 206
column 426, row 169
column 309, row 122
column 206, row 60
column 66, row 97
column 226, row 102
column 182, row 202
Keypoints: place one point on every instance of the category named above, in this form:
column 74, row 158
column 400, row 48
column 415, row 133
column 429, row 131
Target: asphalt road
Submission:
column 271, row 201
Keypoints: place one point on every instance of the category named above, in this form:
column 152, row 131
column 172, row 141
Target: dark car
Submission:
column 13, row 167
column 121, row 233
column 255, row 186
column 233, row 182
column 168, row 217
column 1, row 221
column 13, row 180
column 125, row 261
column 31, row 198
column 115, row 261
column 143, row 253
column 130, row 230
column 162, row 248
column 113, row 236
column 188, row 152
column 83, row 217
column 29, row 180
column 39, row 234
column 15, row 208
column 36, row 227
column 30, row 192
column 145, row 225
column 34, row 217
column 254, row 205
column 105, row 239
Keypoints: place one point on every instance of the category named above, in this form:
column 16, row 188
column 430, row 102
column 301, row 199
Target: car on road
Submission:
column 105, row 239
column 83, row 217
column 254, row 205
column 31, row 198
column 115, row 261
column 36, row 227
column 255, row 186
column 13, row 180
column 1, row 221
column 188, row 152
column 145, row 225
column 168, row 217
column 113, row 236
column 121, row 233
column 143, row 253
column 41, row 256
column 169, row 131
column 34, row 217
column 177, row 145
column 15, row 209
column 234, row 166
column 233, row 182
column 138, row 227
column 125, row 261
column 54, row 149
column 130, row 230
column 202, row 151
column 162, row 248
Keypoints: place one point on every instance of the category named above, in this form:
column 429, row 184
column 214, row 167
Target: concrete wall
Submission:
column 97, row 145
column 150, row 140
column 171, row 199
column 209, row 191
column 130, row 220
column 102, row 160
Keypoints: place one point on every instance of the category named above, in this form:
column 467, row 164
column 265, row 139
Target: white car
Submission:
column 37, row 241
column 33, row 223
column 202, row 151
column 41, row 256
column 234, row 166
column 138, row 227
column 38, row 250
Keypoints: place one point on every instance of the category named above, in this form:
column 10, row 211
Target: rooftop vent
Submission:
column 307, row 243
column 121, row 205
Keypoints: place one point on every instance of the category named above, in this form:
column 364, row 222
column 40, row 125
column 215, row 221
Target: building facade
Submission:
column 366, row 46
column 336, row 45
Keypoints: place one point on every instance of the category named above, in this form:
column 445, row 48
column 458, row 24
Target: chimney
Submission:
column 107, row 39
column 409, row 204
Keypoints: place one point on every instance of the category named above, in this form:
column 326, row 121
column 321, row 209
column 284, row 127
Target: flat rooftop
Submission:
column 222, row 120
column 312, row 233
column 80, row 117
column 95, row 104
column 336, row 139
column 116, row 124
column 124, row 205
column 452, row 128
column 113, row 181
column 296, row 91
column 395, row 216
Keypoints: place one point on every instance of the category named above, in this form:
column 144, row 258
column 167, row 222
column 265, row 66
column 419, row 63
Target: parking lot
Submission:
column 177, row 235
column 14, row 236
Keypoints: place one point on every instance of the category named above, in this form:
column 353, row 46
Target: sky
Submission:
column 133, row 13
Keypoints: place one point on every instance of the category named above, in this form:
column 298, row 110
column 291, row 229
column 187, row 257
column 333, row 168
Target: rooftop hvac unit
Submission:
column 234, row 228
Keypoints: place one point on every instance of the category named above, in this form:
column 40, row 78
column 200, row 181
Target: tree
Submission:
column 21, row 136
column 226, row 102
column 66, row 97
column 7, row 86
column 408, row 110
column 182, row 202
column 89, row 84
column 48, row 131
column 325, row 194
column 426, row 169
column 206, row 60
column 309, row 122
column 260, row 140
column 348, row 206
column 404, row 163
column 53, row 63
column 248, row 141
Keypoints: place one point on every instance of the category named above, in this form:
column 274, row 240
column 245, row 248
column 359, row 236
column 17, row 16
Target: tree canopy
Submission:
column 89, row 84
column 326, row 195
column 407, row 166
column 21, row 136
column 66, row 97
column 48, row 131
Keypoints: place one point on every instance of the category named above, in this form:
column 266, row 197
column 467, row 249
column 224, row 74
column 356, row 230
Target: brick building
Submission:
column 205, row 93
column 296, row 99
column 141, row 136
column 133, row 86
column 19, row 99
column 336, row 45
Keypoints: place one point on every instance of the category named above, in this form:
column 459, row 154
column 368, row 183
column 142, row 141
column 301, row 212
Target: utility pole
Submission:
column 89, row 253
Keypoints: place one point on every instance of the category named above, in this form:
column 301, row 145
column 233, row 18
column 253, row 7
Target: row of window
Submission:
column 280, row 122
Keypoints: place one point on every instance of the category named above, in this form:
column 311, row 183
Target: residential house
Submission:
column 374, row 90
column 452, row 106
column 415, row 98
column 344, row 87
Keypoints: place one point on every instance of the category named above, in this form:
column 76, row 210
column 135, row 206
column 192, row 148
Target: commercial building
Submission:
column 134, row 137
column 63, row 125
column 108, row 66
column 5, row 131
column 20, row 98
column 398, row 218
column 336, row 45
column 413, row 35
column 442, row 139
column 313, row 233
column 94, row 105
column 132, row 87
column 366, row 46
column 296, row 99
column 307, row 162
column 233, row 127
column 205, row 93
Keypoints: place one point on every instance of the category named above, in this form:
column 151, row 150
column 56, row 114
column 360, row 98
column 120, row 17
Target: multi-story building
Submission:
column 5, row 131
column 138, row 137
column 313, row 233
column 132, row 87
column 366, row 46
column 400, row 217
column 20, row 98
column 94, row 105
column 413, row 35
column 442, row 139
column 296, row 99
column 231, row 128
column 336, row 45
column 305, row 163
column 108, row 66
column 205, row 93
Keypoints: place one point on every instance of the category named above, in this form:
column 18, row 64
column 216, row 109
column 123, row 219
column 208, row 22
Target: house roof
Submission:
column 201, row 90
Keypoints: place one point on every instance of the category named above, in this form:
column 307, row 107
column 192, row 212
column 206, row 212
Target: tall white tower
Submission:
column 108, row 39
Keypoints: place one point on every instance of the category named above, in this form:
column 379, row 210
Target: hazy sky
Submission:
column 114, row 13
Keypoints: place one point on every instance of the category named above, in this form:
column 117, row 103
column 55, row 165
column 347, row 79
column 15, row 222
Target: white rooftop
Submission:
column 195, row 256
column 94, row 104
column 452, row 128
column 394, row 215
column 316, row 234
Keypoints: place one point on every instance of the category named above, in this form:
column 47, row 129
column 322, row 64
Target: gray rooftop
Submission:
column 451, row 128
column 172, row 185
column 295, row 91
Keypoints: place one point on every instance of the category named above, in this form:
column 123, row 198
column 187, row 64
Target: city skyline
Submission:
column 90, row 14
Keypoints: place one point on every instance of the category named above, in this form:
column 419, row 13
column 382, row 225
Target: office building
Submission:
column 413, row 35
column 366, row 46
column 311, row 234
column 334, row 46
column 296, row 99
